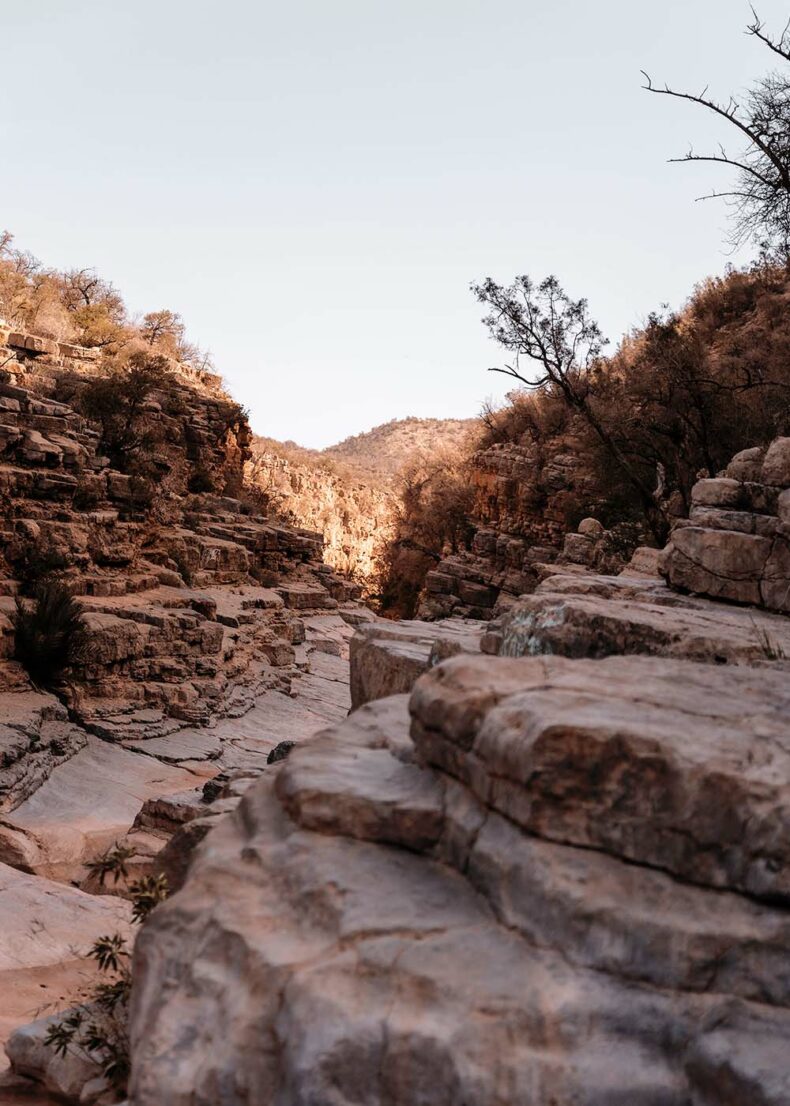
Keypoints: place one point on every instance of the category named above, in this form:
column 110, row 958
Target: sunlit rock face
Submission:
column 350, row 492
column 539, row 879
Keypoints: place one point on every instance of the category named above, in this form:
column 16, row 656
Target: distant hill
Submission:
column 386, row 449
column 349, row 491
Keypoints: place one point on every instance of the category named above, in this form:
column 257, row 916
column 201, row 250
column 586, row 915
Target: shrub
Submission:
column 117, row 401
column 98, row 1027
column 49, row 632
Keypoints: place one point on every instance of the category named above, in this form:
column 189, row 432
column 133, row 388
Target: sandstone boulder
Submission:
column 492, row 928
column 387, row 657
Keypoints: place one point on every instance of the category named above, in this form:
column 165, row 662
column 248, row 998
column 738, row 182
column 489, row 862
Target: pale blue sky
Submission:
column 314, row 184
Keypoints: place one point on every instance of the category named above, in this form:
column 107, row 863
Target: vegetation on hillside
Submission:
column 138, row 387
column 81, row 307
column 679, row 396
column 432, row 517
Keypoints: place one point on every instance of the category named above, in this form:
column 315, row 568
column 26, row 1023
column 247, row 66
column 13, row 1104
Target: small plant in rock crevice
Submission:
column 97, row 1028
column 770, row 649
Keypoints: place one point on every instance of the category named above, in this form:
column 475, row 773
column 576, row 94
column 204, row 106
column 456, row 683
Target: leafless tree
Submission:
column 760, row 196
column 541, row 324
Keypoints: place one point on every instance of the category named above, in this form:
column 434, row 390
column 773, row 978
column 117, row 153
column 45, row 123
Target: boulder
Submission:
column 387, row 657
column 746, row 465
column 720, row 492
column 721, row 563
column 490, row 927
column 776, row 466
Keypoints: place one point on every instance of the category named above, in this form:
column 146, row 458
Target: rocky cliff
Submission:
column 209, row 634
column 553, row 872
column 353, row 510
column 349, row 492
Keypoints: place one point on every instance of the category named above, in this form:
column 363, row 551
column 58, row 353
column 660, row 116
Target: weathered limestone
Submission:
column 676, row 785
column 35, row 736
column 88, row 802
column 387, row 657
column 46, row 929
column 599, row 616
column 529, row 938
column 736, row 543
column 191, row 671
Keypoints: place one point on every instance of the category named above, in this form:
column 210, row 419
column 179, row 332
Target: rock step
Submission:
column 386, row 965
column 601, row 616
column 643, row 758
column 387, row 657
column 86, row 804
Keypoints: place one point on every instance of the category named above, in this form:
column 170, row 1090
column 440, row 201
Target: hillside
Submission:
column 388, row 449
column 349, row 492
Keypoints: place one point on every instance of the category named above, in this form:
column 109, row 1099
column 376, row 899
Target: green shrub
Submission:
column 97, row 1028
column 49, row 632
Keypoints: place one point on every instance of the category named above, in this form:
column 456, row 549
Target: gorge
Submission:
column 447, row 764
column 541, row 859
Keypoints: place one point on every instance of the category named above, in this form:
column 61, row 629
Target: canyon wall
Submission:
column 353, row 511
column 351, row 492
column 543, row 860
column 203, row 635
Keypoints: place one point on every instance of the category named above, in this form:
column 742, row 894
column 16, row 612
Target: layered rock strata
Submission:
column 212, row 635
column 564, row 884
column 736, row 542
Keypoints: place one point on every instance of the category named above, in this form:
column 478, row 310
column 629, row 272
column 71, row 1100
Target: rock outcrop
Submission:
column 555, row 873
column 736, row 542
column 349, row 492
column 544, row 894
column 544, row 858
column 212, row 634
column 354, row 511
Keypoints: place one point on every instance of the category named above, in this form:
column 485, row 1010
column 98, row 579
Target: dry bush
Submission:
column 49, row 632
column 433, row 519
column 677, row 399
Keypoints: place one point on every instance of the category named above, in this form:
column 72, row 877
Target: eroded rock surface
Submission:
column 45, row 931
column 736, row 542
column 564, row 887
column 387, row 657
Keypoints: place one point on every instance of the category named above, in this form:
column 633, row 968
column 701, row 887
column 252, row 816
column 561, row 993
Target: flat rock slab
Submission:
column 602, row 616
column 183, row 745
column 387, row 657
column 88, row 803
column 247, row 741
column 45, row 931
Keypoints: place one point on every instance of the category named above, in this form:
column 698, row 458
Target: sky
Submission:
column 313, row 185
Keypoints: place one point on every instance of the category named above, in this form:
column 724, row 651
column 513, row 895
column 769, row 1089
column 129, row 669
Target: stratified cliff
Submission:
column 206, row 633
column 349, row 492
column 556, row 873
